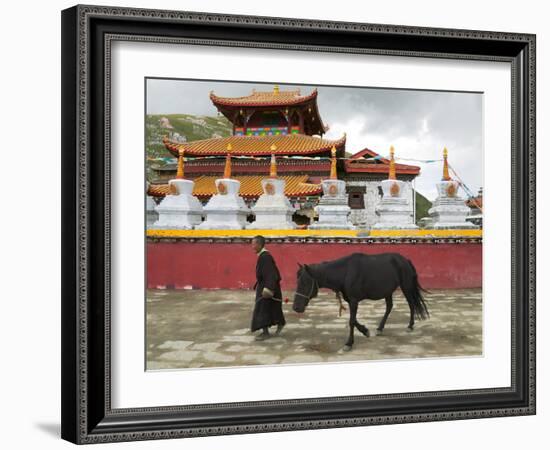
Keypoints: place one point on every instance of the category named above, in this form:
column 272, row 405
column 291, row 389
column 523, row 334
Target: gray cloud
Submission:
column 418, row 123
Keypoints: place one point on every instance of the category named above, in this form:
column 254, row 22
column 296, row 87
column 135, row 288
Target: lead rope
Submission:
column 341, row 306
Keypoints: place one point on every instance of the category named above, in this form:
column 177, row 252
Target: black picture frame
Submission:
column 87, row 32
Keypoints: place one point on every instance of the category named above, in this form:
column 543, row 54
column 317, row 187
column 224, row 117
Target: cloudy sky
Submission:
column 417, row 123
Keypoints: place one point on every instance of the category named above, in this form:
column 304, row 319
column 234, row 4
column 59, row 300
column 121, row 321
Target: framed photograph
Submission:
column 280, row 224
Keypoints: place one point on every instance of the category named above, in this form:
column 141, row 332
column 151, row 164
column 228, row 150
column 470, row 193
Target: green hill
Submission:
column 422, row 206
column 193, row 128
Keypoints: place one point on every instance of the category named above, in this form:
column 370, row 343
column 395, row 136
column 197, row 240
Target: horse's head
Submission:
column 306, row 288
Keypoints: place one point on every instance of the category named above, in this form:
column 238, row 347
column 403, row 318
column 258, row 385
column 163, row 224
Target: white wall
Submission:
column 30, row 109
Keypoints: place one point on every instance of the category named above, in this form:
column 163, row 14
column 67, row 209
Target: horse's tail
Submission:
column 412, row 290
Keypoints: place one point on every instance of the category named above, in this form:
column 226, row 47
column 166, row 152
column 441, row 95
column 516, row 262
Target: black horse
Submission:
column 358, row 277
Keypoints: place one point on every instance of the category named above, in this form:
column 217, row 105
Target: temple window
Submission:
column 356, row 200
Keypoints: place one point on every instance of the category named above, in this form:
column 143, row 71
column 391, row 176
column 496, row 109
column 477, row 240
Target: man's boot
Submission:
column 263, row 335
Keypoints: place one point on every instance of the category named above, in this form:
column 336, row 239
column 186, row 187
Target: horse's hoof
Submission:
column 409, row 329
column 364, row 331
column 346, row 348
column 379, row 332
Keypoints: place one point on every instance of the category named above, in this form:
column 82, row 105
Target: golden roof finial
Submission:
column 276, row 89
column 391, row 175
column 446, row 176
column 333, row 175
column 179, row 174
column 273, row 166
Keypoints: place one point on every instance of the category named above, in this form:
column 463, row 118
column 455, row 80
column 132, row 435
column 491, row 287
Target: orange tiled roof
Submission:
column 357, row 163
column 475, row 202
column 158, row 190
column 265, row 98
column 251, row 186
column 290, row 144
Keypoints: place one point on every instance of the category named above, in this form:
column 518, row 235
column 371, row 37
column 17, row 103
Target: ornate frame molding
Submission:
column 88, row 32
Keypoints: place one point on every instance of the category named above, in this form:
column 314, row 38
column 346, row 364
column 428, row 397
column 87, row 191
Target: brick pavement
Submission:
column 210, row 328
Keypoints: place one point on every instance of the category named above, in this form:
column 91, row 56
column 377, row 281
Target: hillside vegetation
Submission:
column 192, row 128
column 422, row 206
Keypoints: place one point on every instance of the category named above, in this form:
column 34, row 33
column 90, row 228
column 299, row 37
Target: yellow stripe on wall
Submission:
column 312, row 233
column 426, row 233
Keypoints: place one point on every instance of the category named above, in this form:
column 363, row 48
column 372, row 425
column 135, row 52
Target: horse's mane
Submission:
column 330, row 264
column 337, row 261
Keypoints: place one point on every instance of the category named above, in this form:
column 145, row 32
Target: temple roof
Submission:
column 274, row 97
column 475, row 202
column 358, row 163
column 274, row 100
column 290, row 144
column 251, row 186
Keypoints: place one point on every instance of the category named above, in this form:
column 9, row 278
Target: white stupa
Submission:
column 449, row 211
column 333, row 208
column 226, row 210
column 150, row 206
column 394, row 210
column 179, row 210
column 273, row 209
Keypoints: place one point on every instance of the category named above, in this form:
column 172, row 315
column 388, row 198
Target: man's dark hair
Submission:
column 260, row 239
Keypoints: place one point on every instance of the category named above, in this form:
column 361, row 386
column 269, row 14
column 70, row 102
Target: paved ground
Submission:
column 190, row 329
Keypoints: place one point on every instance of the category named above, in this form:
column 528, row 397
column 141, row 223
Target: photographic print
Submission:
column 299, row 224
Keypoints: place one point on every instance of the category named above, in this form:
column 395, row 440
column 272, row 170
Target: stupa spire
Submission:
column 227, row 170
column 446, row 176
column 333, row 175
column 180, row 173
column 391, row 175
column 273, row 165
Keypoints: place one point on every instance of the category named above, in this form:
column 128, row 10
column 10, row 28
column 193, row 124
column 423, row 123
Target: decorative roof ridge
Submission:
column 286, row 97
column 258, row 137
column 381, row 164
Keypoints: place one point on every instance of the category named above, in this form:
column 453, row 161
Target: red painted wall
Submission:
column 232, row 265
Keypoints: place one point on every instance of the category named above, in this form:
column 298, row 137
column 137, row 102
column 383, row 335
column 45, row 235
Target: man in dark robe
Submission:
column 268, row 307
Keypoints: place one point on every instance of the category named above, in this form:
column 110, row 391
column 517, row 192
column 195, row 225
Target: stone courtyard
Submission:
column 210, row 328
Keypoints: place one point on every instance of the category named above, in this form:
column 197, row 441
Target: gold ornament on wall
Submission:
column 451, row 190
column 395, row 190
column 222, row 188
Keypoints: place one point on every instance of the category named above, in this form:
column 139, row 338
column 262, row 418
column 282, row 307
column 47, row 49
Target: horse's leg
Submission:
column 352, row 320
column 389, row 306
column 362, row 328
column 411, row 320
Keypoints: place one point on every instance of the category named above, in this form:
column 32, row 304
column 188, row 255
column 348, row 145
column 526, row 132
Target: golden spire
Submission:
column 333, row 175
column 391, row 175
column 446, row 176
column 273, row 166
column 276, row 89
column 179, row 174
column 227, row 170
